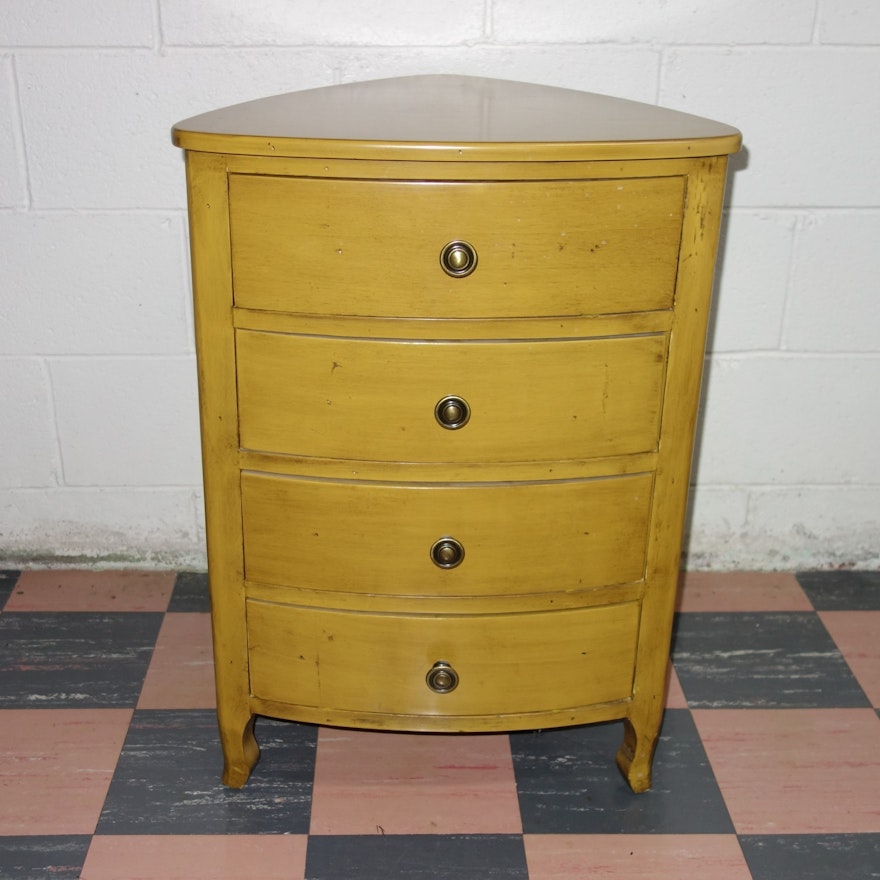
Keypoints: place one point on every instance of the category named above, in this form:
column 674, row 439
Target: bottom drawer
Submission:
column 379, row 663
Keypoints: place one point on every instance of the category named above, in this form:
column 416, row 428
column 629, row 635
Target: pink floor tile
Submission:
column 92, row 591
column 181, row 672
column 857, row 634
column 635, row 857
column 796, row 771
column 675, row 698
column 55, row 767
column 741, row 591
column 396, row 783
column 217, row 857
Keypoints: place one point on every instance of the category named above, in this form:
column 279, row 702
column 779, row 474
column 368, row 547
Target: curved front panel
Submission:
column 386, row 400
column 366, row 247
column 388, row 663
column 402, row 538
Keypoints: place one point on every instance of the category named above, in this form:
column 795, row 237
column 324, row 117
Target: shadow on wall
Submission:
column 737, row 163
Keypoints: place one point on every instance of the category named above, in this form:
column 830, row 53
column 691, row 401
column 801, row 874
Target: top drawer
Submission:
column 362, row 247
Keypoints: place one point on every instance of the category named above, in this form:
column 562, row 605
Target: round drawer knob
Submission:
column 442, row 678
column 452, row 412
column 458, row 259
column 447, row 553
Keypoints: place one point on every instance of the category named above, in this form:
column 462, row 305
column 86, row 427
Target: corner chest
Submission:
column 450, row 334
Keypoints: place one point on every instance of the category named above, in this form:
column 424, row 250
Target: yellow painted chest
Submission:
column 450, row 335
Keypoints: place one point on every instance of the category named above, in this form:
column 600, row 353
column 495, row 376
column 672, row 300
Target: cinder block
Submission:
column 853, row 22
column 320, row 22
column 834, row 303
column 116, row 110
column 13, row 191
column 28, row 446
column 626, row 72
column 752, row 281
column 719, row 510
column 714, row 527
column 808, row 115
column 652, row 21
column 65, row 23
column 790, row 420
column 152, row 526
column 94, row 284
column 128, row 421
column 138, row 97
column 810, row 526
column 786, row 529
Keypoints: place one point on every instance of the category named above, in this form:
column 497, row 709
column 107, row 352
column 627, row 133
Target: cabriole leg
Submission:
column 240, row 752
column 636, row 754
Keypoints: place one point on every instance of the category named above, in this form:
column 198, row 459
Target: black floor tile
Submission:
column 763, row 660
column 416, row 857
column 39, row 857
column 841, row 590
column 8, row 579
column 190, row 593
column 167, row 780
column 568, row 783
column 82, row 660
column 813, row 856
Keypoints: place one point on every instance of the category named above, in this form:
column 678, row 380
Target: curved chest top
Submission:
column 444, row 117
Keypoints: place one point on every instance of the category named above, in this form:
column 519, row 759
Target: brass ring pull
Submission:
column 452, row 412
column 442, row 678
column 447, row 553
column 458, row 259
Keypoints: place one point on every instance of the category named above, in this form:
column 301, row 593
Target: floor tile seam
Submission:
column 104, row 707
column 212, row 835
column 740, row 835
column 864, row 710
column 866, row 705
column 806, row 835
column 771, row 612
column 429, row 835
column 44, row 836
column 93, row 611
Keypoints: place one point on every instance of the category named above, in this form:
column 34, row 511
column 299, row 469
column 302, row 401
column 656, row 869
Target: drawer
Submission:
column 377, row 400
column 378, row 538
column 379, row 663
column 360, row 247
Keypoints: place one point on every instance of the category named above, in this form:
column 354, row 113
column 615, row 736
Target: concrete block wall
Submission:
column 99, row 455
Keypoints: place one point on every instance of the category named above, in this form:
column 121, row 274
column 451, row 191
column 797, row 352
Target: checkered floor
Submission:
column 768, row 768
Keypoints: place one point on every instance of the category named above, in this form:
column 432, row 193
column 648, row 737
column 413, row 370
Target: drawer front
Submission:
column 505, row 664
column 378, row 538
column 355, row 247
column 377, row 400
